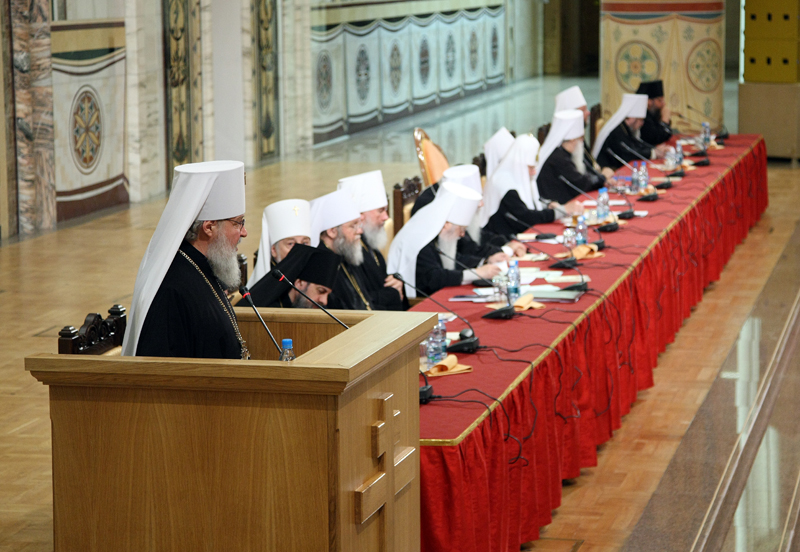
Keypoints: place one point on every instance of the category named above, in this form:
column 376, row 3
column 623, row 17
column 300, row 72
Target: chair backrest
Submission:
column 480, row 161
column 96, row 336
column 403, row 198
column 595, row 122
column 541, row 134
column 242, row 260
column 432, row 160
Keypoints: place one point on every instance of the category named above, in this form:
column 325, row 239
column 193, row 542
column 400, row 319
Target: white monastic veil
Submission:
column 496, row 148
column 567, row 124
column 262, row 264
column 512, row 174
column 212, row 190
column 455, row 203
column 633, row 105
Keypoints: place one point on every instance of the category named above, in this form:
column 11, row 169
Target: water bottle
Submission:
column 288, row 350
column 644, row 177
column 679, row 154
column 635, row 178
column 582, row 231
column 602, row 204
column 706, row 135
column 513, row 282
column 440, row 330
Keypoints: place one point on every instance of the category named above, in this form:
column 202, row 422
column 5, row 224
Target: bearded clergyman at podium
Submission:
column 179, row 306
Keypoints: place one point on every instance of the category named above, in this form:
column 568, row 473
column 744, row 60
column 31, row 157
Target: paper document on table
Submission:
column 611, row 202
column 533, row 289
column 446, row 317
column 532, row 257
column 568, row 278
column 640, row 213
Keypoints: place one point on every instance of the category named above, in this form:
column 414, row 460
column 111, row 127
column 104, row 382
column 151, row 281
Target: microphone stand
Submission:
column 468, row 342
column 278, row 275
column 723, row 134
column 246, row 294
column 570, row 262
column 648, row 197
column 505, row 312
column 664, row 185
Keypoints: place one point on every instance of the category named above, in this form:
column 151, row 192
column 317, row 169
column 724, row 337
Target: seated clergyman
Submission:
column 656, row 128
column 336, row 226
column 312, row 270
column 425, row 249
column 283, row 224
column 179, row 306
column 562, row 156
column 572, row 98
column 511, row 201
column 368, row 191
column 620, row 137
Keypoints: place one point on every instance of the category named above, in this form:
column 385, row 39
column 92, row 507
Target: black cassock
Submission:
column 513, row 216
column 655, row 131
column 622, row 135
column 473, row 251
column 185, row 318
column 372, row 273
column 350, row 291
column 560, row 164
column 431, row 274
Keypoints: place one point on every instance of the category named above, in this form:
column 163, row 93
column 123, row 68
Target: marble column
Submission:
column 640, row 40
column 33, row 106
column 145, row 142
column 294, row 76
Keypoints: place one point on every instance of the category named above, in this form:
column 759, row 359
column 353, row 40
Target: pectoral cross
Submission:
column 296, row 210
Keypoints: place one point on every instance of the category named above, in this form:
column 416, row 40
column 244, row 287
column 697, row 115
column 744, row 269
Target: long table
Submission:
column 549, row 389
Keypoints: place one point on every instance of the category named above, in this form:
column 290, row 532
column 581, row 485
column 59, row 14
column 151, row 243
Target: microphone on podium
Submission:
column 281, row 277
column 468, row 342
column 246, row 295
column 723, row 133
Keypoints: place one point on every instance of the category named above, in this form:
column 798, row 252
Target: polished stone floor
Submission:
column 54, row 279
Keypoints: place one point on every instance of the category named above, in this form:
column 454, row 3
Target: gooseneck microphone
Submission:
column 723, row 129
column 570, row 262
column 278, row 275
column 504, row 312
column 246, row 295
column 468, row 342
column 648, row 197
column 664, row 185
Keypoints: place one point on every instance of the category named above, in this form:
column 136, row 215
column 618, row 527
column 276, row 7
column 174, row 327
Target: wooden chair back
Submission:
column 432, row 160
column 542, row 132
column 97, row 336
column 480, row 161
column 595, row 122
column 403, row 198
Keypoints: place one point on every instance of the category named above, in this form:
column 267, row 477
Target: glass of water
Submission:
column 570, row 238
column 500, row 287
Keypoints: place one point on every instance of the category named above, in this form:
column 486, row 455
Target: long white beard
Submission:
column 351, row 251
column 577, row 158
column 474, row 229
column 376, row 236
column 222, row 258
column 449, row 246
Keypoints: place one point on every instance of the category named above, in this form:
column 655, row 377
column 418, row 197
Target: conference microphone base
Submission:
column 625, row 215
column 677, row 174
column 601, row 244
column 465, row 346
column 702, row 163
column 504, row 313
column 701, row 153
column 425, row 394
column 664, row 185
column 648, row 197
column 608, row 227
column 566, row 263
column 545, row 236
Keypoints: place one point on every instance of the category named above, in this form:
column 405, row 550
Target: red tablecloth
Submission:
column 490, row 481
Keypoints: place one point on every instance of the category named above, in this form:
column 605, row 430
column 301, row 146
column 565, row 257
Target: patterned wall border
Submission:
column 369, row 73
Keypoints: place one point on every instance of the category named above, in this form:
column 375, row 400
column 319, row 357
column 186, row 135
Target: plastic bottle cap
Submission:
column 286, row 343
column 603, row 190
column 514, row 263
column 581, row 219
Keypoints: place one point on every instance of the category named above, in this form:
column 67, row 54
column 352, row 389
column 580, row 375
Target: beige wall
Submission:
column 551, row 40
column 526, row 16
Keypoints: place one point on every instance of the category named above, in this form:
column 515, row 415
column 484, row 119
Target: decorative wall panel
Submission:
column 266, row 78
column 640, row 41
column 367, row 72
column 88, row 116
column 183, row 54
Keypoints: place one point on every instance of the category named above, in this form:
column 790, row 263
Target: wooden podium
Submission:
column 322, row 453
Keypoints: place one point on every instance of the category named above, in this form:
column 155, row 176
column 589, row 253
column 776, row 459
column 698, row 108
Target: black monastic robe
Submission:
column 430, row 272
column 185, row 318
column 560, row 164
column 513, row 216
column 350, row 290
column 373, row 273
column 622, row 135
column 655, row 131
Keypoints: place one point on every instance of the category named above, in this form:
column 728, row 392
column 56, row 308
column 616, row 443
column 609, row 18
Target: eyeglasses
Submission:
column 239, row 223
